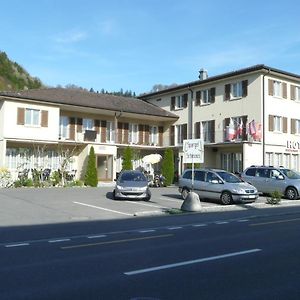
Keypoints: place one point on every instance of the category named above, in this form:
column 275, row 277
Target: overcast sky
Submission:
column 135, row 44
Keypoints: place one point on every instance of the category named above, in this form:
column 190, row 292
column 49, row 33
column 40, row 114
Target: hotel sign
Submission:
column 193, row 151
column 292, row 146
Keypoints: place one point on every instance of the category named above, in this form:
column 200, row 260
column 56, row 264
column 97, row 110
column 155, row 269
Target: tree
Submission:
column 127, row 159
column 167, row 168
column 90, row 178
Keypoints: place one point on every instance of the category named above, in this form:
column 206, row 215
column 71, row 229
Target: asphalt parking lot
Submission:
column 29, row 206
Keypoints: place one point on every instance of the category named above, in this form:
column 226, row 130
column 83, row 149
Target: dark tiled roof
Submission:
column 260, row 67
column 91, row 100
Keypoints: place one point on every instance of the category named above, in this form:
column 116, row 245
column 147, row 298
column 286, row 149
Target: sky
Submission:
column 135, row 44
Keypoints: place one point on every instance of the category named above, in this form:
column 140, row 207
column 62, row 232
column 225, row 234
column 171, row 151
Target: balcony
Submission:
column 90, row 136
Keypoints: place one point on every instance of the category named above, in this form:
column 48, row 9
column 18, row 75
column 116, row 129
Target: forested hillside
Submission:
column 13, row 77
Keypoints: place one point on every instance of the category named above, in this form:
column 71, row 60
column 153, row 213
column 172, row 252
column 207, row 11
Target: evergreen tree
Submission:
column 127, row 159
column 90, row 178
column 167, row 168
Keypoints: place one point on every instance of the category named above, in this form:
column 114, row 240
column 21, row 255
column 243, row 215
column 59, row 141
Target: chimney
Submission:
column 203, row 74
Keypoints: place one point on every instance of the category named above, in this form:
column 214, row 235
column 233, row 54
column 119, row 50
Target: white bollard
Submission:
column 191, row 202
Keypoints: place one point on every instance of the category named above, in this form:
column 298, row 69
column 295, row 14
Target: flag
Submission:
column 230, row 131
column 240, row 129
column 252, row 128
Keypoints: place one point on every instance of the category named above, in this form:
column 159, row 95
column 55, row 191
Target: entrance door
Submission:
column 105, row 167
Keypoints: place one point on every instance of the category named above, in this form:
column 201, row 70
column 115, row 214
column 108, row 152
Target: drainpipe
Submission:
column 263, row 118
column 190, row 116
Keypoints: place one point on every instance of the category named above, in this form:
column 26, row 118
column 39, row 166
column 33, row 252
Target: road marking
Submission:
column 17, row 245
column 243, row 220
column 275, row 222
column 59, row 240
column 96, row 236
column 190, row 262
column 117, row 241
column 221, row 222
column 199, row 225
column 174, row 228
column 146, row 231
column 102, row 208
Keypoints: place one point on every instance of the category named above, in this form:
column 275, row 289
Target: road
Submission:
column 232, row 255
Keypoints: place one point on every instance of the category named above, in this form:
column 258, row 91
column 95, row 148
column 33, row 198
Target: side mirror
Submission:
column 215, row 181
column 280, row 177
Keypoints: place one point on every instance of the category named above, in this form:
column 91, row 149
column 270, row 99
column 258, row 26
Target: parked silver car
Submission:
column 132, row 185
column 268, row 179
column 217, row 184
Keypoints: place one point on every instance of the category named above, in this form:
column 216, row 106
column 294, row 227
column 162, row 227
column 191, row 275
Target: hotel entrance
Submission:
column 105, row 167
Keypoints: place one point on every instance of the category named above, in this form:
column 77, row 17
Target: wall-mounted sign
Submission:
column 292, row 146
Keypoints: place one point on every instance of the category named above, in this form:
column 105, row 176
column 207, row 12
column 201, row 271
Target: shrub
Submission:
column 127, row 159
column 91, row 178
column 5, row 178
column 275, row 198
column 167, row 168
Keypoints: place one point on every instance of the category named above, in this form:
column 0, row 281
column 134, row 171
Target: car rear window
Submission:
column 187, row 175
column 132, row 177
column 250, row 172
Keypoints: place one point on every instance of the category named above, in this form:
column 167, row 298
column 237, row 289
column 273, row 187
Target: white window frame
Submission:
column 87, row 124
column 277, row 88
column 205, row 97
column 179, row 102
column 153, row 130
column 133, row 132
column 110, row 132
column 297, row 126
column 64, row 127
column 179, row 134
column 236, row 90
column 277, row 121
column 32, row 117
column 297, row 93
column 205, row 133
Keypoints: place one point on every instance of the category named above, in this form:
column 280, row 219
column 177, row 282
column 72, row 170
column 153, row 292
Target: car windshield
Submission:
column 291, row 174
column 229, row 177
column 132, row 176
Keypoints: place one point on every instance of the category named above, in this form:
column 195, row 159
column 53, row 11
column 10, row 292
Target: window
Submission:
column 277, row 123
column 87, row 124
column 205, row 97
column 211, row 176
column 297, row 126
column 133, row 133
column 64, row 127
column 236, row 90
column 181, row 133
column 153, row 135
column 277, row 88
column 110, row 132
column 179, row 102
column 297, row 93
column 32, row 117
column 208, row 131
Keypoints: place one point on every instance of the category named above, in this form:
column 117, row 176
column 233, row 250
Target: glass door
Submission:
column 105, row 167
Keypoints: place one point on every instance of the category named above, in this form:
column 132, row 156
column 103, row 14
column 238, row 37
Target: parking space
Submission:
column 28, row 206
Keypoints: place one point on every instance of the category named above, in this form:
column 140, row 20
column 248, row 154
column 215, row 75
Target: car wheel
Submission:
column 291, row 193
column 184, row 193
column 226, row 198
column 114, row 195
column 148, row 198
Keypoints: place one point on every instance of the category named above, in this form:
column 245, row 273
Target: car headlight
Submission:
column 119, row 187
column 238, row 191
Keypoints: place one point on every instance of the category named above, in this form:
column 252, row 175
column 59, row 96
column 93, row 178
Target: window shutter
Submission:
column 197, row 130
column 198, row 98
column 120, row 127
column 147, row 128
column 271, row 123
column 160, row 135
column 79, row 125
column 21, row 116
column 244, row 130
column 293, row 126
column 293, row 92
column 126, row 126
column 227, row 91
column 172, row 135
column 244, row 88
column 141, row 134
column 212, row 95
column 271, row 87
column 173, row 99
column 184, row 131
column 284, row 90
column 103, row 131
column 72, row 129
column 185, row 100
column 97, row 126
column 44, row 121
column 212, row 128
column 284, row 125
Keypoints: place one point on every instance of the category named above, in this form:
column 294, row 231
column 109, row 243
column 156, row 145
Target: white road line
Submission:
column 96, row 236
column 174, row 228
column 146, row 231
column 145, row 204
column 199, row 225
column 190, row 262
column 102, row 208
column 221, row 222
column 244, row 220
column 59, row 240
column 17, row 245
